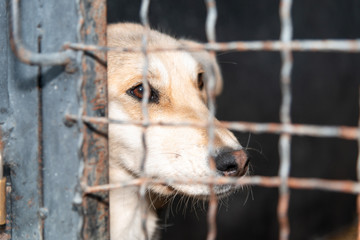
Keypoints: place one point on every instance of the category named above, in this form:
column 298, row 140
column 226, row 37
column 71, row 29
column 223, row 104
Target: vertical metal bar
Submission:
column 40, row 163
column 78, row 196
column 145, row 100
column 2, row 201
column 144, row 12
column 4, row 106
column 2, row 186
column 285, row 118
column 358, row 173
column 1, row 159
column 93, row 102
column 210, row 88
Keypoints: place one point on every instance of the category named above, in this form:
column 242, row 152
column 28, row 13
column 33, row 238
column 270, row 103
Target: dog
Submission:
column 177, row 81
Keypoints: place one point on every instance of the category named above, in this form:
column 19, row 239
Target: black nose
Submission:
column 232, row 164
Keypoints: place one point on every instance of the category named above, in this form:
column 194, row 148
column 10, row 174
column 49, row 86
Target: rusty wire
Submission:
column 344, row 132
column 350, row 46
column 285, row 118
column 78, row 195
column 210, row 89
column 358, row 175
column 345, row 186
column 144, row 12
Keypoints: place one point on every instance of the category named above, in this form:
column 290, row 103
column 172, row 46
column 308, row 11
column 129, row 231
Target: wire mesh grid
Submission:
column 286, row 45
column 285, row 128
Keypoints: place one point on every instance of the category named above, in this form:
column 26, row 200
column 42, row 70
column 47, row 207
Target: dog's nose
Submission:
column 232, row 164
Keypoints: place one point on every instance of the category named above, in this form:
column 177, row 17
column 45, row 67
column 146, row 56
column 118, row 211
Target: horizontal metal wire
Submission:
column 345, row 132
column 345, row 186
column 352, row 45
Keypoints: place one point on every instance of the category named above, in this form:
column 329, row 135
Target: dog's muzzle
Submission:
column 232, row 163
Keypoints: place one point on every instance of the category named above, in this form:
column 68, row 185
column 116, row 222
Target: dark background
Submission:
column 325, row 91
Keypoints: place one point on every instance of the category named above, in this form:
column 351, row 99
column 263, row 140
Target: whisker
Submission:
column 247, row 197
column 255, row 150
column 195, row 203
column 178, row 205
column 222, row 62
column 172, row 202
column 151, row 200
column 186, row 204
column 226, row 52
column 248, row 142
column 204, row 205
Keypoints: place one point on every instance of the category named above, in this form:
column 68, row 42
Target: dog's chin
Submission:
column 195, row 191
column 163, row 190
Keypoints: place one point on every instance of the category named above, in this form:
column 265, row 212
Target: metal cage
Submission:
column 54, row 110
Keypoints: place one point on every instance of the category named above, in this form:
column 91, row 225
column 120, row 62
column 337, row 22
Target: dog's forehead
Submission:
column 165, row 69
column 173, row 66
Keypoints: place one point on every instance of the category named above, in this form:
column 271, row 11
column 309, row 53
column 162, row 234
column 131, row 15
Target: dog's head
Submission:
column 177, row 82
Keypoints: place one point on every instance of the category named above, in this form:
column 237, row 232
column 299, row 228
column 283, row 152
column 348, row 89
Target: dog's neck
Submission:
column 125, row 204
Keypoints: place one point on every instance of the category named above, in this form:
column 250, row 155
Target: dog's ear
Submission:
column 208, row 63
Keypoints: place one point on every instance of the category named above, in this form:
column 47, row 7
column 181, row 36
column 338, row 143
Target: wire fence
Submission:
column 285, row 45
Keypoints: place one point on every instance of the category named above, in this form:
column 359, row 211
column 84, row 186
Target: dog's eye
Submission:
column 139, row 91
column 200, row 81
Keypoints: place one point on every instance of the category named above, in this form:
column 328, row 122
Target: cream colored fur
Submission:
column 173, row 152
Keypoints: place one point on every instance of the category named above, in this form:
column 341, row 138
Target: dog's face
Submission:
column 177, row 81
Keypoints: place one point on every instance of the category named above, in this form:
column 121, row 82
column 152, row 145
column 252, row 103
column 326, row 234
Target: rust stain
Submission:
column 349, row 133
column 296, row 46
column 17, row 198
column 30, row 203
column 354, row 45
column 283, row 219
column 1, row 141
column 274, row 127
column 240, row 46
column 210, row 4
column 268, row 46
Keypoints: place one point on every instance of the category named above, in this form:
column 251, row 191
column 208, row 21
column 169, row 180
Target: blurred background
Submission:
column 325, row 90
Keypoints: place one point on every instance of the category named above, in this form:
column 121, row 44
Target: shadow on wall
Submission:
column 325, row 92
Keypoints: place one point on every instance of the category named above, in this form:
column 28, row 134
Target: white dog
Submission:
column 176, row 79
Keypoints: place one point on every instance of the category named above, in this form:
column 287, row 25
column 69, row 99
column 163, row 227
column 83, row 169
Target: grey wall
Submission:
column 31, row 93
column 44, row 157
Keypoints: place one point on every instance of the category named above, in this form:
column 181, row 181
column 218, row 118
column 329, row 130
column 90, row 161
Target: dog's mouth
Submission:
column 198, row 190
column 221, row 191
